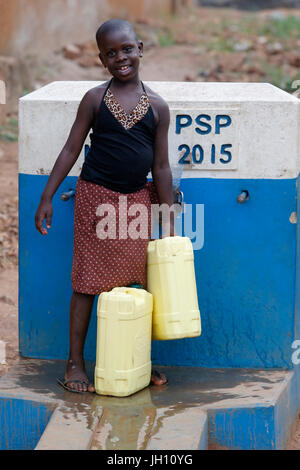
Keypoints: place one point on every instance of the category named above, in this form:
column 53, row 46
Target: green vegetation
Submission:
column 221, row 44
column 26, row 91
column 9, row 130
column 275, row 74
column 283, row 28
column 165, row 38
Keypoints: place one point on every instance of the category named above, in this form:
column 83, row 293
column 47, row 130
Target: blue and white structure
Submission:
column 230, row 138
column 239, row 146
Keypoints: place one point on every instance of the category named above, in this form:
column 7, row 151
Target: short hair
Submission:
column 113, row 25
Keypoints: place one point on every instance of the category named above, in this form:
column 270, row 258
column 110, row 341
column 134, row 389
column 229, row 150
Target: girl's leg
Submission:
column 80, row 312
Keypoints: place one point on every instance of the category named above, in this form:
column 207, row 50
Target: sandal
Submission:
column 63, row 384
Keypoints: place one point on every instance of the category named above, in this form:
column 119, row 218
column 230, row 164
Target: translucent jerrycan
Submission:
column 171, row 281
column 123, row 357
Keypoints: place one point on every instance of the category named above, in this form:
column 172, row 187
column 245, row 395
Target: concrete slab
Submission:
column 252, row 131
column 198, row 409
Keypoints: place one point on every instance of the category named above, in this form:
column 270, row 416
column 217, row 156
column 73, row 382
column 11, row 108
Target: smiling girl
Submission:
column 129, row 138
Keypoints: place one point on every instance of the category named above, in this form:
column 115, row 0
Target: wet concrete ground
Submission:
column 173, row 416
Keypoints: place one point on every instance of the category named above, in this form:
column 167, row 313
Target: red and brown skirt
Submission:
column 99, row 264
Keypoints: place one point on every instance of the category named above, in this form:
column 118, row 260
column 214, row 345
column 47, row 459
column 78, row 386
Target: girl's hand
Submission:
column 168, row 230
column 44, row 211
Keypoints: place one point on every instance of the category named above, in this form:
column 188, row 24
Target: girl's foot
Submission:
column 157, row 378
column 76, row 372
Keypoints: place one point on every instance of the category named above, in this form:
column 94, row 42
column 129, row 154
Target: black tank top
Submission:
column 120, row 157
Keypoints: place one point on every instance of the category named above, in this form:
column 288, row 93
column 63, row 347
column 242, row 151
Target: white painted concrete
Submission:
column 263, row 134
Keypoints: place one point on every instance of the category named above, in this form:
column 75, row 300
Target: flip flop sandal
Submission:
column 63, row 383
column 157, row 374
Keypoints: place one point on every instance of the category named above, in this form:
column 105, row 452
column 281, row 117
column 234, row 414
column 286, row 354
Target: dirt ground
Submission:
column 8, row 257
column 177, row 52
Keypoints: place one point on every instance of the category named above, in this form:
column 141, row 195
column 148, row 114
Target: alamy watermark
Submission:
column 3, row 353
column 2, row 92
column 134, row 221
column 296, row 353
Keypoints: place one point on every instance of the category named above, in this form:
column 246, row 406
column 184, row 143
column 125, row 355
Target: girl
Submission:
column 130, row 137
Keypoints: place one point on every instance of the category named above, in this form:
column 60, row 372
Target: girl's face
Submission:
column 120, row 54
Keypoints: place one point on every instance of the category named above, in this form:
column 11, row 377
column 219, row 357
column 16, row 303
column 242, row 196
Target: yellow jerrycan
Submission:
column 171, row 281
column 123, row 357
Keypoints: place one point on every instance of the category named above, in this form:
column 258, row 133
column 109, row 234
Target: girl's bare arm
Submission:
column 161, row 172
column 66, row 159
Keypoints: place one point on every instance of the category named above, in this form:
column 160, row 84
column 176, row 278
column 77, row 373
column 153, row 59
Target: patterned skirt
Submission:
column 111, row 234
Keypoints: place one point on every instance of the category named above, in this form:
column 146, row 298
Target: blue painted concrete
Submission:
column 286, row 409
column 248, row 428
column 245, row 276
column 22, row 423
column 257, row 426
column 297, row 280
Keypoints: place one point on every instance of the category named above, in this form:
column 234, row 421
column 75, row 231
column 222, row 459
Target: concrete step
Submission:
column 198, row 409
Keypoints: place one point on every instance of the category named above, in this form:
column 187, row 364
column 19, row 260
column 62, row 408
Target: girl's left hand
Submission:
column 168, row 230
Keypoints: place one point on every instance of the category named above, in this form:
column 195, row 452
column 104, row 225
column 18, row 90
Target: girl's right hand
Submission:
column 44, row 211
